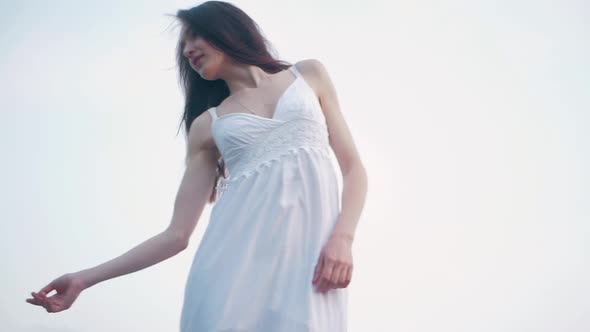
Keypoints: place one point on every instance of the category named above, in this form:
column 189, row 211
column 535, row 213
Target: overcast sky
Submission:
column 472, row 119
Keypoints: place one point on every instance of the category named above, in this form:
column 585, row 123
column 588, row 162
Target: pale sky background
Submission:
column 472, row 119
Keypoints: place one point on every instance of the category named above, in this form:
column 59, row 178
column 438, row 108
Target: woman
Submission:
column 277, row 253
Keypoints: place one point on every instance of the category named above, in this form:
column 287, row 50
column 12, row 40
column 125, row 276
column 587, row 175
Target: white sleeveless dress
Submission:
column 253, row 269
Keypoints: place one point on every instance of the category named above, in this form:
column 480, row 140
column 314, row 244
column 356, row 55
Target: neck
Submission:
column 245, row 77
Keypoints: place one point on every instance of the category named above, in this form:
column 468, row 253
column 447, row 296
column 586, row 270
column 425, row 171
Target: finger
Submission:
column 347, row 273
column 320, row 284
column 53, row 307
column 325, row 286
column 329, row 270
column 60, row 305
column 338, row 276
column 318, row 270
column 326, row 276
column 37, row 298
column 344, row 280
column 35, row 294
column 333, row 281
column 47, row 289
column 348, row 276
column 34, row 301
column 49, row 306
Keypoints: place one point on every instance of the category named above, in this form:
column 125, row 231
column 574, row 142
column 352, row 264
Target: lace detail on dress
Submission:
column 288, row 138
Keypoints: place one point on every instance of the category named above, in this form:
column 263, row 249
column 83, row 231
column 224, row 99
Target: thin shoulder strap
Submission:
column 294, row 70
column 213, row 113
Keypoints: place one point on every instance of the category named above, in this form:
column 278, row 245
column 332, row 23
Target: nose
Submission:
column 188, row 51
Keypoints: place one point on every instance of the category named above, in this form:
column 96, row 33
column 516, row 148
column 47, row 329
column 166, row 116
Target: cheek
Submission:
column 214, row 63
column 210, row 68
column 214, row 58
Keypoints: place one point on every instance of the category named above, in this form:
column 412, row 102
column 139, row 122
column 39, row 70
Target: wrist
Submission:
column 343, row 235
column 83, row 279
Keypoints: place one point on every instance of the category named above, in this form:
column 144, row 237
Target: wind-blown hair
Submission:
column 230, row 30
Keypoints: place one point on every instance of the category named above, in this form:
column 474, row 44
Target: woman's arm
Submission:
column 192, row 196
column 194, row 192
column 335, row 264
column 353, row 172
column 154, row 250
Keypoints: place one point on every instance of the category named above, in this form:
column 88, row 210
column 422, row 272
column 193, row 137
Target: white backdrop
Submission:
column 471, row 118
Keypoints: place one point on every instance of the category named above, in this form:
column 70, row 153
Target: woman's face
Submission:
column 202, row 56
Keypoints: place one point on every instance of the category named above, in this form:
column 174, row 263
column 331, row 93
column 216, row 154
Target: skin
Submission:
column 251, row 86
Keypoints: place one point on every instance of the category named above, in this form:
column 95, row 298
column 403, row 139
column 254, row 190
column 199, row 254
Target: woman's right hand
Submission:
column 68, row 287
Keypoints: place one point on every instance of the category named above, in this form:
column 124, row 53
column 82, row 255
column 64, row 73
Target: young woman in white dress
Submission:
column 226, row 69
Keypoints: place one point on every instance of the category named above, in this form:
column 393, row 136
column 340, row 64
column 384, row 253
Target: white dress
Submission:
column 253, row 269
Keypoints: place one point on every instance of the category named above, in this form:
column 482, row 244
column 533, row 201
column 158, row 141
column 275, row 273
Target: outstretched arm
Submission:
column 195, row 189
column 193, row 194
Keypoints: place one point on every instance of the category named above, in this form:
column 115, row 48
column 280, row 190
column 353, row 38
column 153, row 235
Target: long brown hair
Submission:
column 232, row 31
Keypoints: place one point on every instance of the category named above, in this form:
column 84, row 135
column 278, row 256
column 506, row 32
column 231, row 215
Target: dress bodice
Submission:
column 248, row 142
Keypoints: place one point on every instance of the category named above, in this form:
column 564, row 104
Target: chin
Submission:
column 201, row 72
column 205, row 74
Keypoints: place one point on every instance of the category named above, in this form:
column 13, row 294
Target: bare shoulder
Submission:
column 339, row 133
column 316, row 75
column 200, row 138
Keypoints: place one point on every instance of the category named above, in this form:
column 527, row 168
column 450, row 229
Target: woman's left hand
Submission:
column 334, row 266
